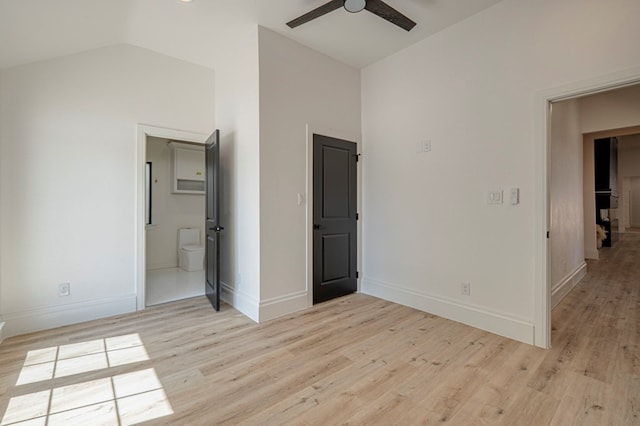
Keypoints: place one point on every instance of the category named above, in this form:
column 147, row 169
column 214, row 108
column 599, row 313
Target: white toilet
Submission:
column 190, row 252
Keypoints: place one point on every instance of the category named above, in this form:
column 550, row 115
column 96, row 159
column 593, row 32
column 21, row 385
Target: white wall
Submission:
column 615, row 109
column 170, row 211
column 298, row 87
column 268, row 89
column 237, row 117
column 566, row 199
column 3, row 136
column 471, row 89
column 67, row 173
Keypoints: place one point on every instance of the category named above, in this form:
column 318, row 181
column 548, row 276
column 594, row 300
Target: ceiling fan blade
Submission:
column 383, row 10
column 315, row 13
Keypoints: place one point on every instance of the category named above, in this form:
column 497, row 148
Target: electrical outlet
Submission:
column 64, row 289
column 465, row 289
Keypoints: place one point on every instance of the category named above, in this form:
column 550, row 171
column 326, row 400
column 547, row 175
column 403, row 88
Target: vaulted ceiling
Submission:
column 33, row 30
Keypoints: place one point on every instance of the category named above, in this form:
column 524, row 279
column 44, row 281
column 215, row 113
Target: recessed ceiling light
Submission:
column 185, row 1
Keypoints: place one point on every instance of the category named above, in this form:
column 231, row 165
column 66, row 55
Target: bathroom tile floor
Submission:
column 170, row 284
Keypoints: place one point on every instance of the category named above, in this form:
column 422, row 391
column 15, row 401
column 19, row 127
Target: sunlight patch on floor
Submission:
column 77, row 358
column 121, row 399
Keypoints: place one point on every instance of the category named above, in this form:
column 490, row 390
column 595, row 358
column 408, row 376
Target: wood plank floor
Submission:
column 355, row 360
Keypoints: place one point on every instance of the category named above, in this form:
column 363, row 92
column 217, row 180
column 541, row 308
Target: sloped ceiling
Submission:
column 33, row 30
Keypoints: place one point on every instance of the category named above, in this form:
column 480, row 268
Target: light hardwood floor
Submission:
column 354, row 360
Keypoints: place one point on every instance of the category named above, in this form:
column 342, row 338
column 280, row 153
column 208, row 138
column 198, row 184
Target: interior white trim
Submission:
column 503, row 324
column 38, row 319
column 591, row 253
column 542, row 272
column 542, row 291
column 312, row 129
column 240, row 301
column 144, row 130
column 283, row 305
column 567, row 284
column 2, row 324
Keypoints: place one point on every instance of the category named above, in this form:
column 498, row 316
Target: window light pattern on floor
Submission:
column 76, row 358
column 121, row 399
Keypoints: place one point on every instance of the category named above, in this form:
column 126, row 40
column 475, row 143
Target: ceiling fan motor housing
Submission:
column 354, row 6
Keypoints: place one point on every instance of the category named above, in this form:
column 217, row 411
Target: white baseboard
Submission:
column 591, row 253
column 474, row 316
column 560, row 290
column 27, row 321
column 267, row 309
column 161, row 266
column 240, row 301
column 283, row 305
column 1, row 331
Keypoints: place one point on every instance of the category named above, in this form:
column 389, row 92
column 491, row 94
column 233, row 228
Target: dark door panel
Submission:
column 334, row 218
column 335, row 250
column 335, row 173
column 213, row 228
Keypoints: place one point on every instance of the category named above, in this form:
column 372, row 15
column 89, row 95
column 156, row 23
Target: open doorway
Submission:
column 578, row 202
column 162, row 211
column 175, row 217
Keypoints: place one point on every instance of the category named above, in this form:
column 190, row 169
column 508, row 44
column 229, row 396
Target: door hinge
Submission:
column 357, row 216
column 357, row 274
column 547, row 234
column 357, row 157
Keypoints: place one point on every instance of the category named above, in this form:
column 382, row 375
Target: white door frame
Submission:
column 542, row 291
column 143, row 131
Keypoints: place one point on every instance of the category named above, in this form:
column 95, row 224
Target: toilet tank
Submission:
column 188, row 236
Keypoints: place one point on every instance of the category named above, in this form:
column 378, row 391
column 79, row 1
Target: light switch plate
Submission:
column 494, row 197
column 423, row 146
column 515, row 196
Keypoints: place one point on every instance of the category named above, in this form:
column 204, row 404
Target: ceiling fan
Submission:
column 377, row 7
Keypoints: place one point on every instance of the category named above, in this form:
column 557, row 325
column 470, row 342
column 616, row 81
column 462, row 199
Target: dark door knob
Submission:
column 216, row 228
column 316, row 226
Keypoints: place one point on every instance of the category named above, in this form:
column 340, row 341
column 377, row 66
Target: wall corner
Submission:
column 1, row 328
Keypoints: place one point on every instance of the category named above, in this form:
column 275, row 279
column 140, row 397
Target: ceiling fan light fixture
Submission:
column 377, row 7
column 354, row 6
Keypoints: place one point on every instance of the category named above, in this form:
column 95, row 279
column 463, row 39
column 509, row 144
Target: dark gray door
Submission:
column 212, row 253
column 334, row 218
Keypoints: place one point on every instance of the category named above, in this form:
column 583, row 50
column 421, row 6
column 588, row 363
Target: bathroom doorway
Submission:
column 175, row 218
column 164, row 206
